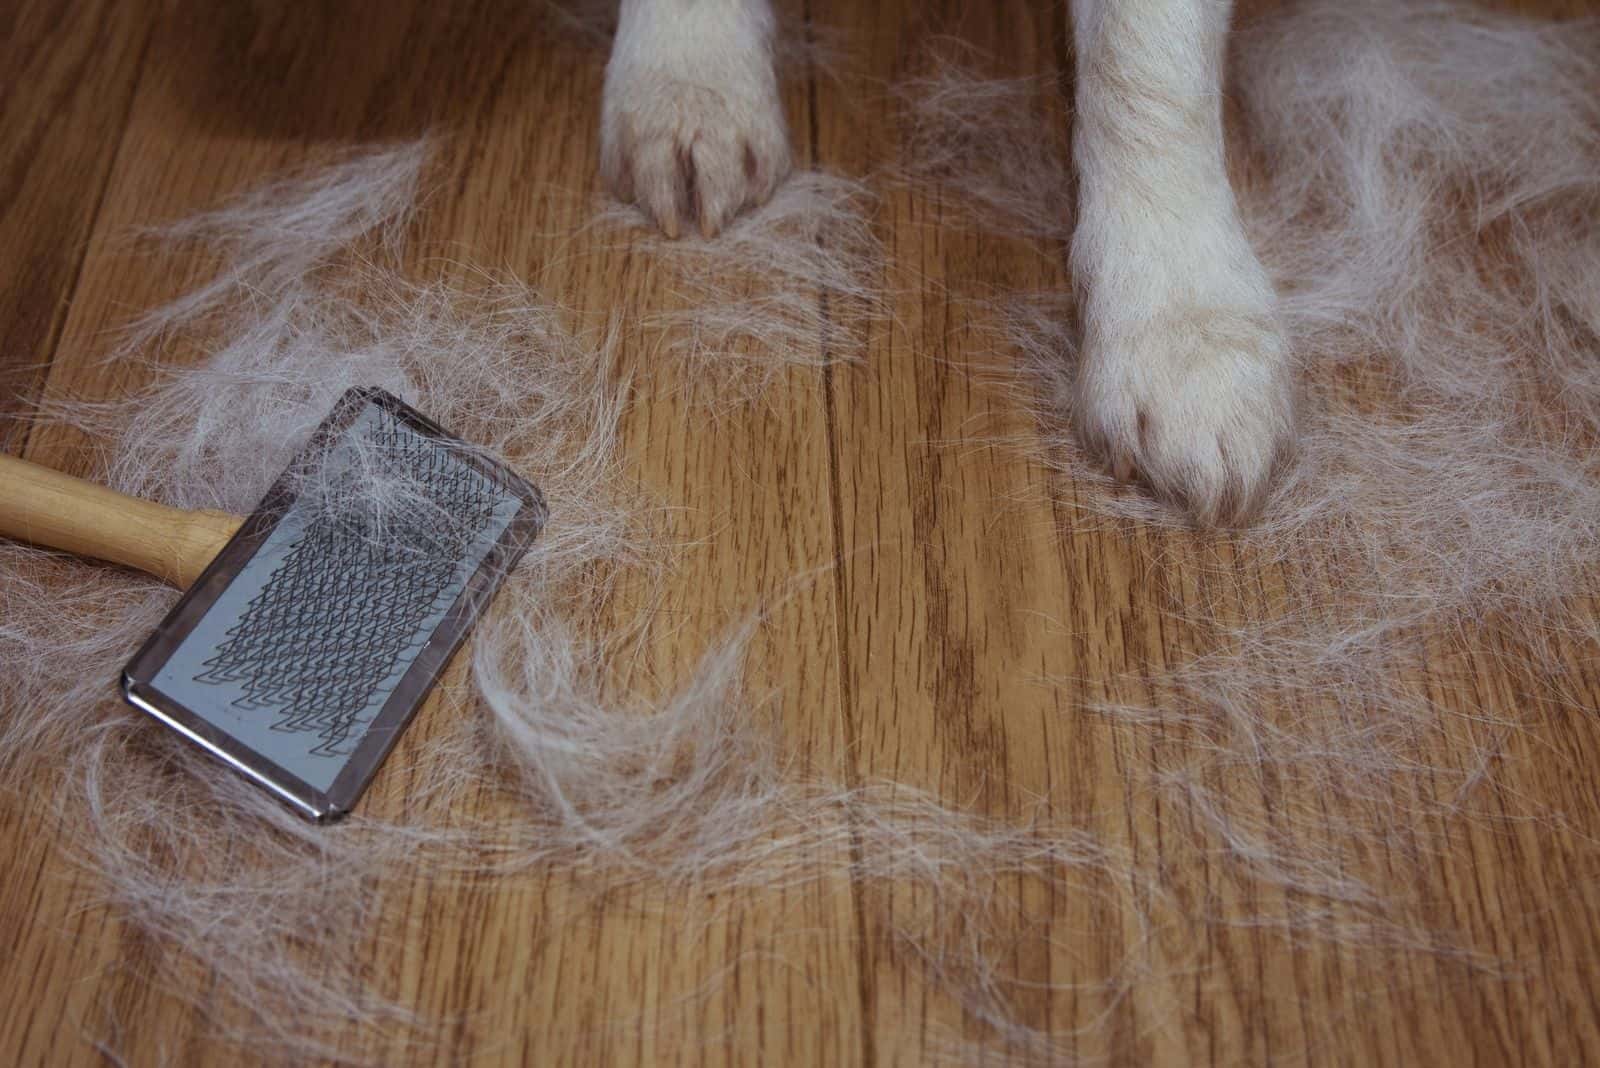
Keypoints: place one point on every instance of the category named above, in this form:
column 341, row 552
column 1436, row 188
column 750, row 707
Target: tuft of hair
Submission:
column 998, row 146
column 794, row 284
column 1422, row 179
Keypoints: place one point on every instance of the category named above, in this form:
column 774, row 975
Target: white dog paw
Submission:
column 693, row 128
column 1195, row 402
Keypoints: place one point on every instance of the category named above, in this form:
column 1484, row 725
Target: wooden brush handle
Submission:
column 57, row 511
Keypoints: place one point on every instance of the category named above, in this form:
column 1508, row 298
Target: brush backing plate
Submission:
column 304, row 649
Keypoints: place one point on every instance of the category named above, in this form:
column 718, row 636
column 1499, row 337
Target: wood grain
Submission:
column 44, row 507
column 67, row 74
column 916, row 581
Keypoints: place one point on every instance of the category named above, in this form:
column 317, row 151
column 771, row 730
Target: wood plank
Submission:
column 67, row 74
column 956, row 586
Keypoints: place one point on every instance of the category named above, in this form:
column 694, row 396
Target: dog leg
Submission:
column 1185, row 381
column 692, row 128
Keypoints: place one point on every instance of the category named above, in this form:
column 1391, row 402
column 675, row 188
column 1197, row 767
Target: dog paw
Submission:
column 692, row 127
column 1195, row 402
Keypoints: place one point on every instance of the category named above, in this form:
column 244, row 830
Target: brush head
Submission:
column 307, row 645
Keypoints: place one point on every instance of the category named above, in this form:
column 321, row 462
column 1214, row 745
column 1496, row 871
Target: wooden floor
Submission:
column 942, row 582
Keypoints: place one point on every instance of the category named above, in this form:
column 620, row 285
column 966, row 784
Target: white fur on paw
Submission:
column 1195, row 402
column 693, row 129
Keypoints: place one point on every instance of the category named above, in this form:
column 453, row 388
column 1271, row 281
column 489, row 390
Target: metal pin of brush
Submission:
column 311, row 630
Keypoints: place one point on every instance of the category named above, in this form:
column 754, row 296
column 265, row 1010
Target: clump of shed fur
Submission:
column 542, row 755
column 1423, row 181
